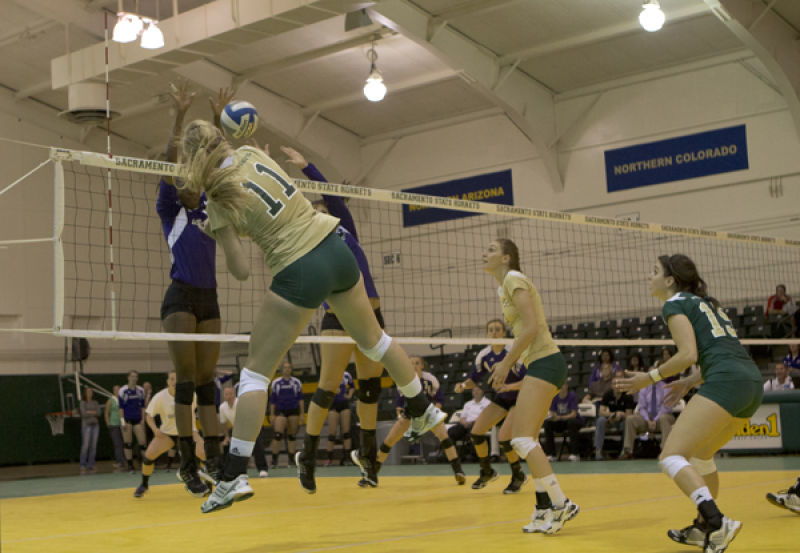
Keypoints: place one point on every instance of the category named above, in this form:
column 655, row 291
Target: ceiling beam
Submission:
column 27, row 32
column 472, row 7
column 32, row 90
column 773, row 42
column 528, row 104
column 600, row 35
column 67, row 12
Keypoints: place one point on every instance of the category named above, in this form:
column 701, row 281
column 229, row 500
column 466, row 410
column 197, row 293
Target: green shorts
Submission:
column 328, row 269
column 552, row 369
column 740, row 398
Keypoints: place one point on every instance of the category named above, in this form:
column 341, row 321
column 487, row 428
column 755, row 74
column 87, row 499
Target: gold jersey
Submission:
column 543, row 344
column 277, row 217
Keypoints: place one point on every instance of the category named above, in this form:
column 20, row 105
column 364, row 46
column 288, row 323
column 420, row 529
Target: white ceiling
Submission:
column 304, row 57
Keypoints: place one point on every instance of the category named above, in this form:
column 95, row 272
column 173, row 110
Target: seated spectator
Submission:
column 651, row 416
column 781, row 380
column 614, row 408
column 636, row 363
column 563, row 417
column 469, row 414
column 780, row 303
column 598, row 388
column 604, row 358
column 792, row 359
column 777, row 301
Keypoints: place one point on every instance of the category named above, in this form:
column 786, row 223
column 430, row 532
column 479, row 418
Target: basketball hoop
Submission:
column 56, row 421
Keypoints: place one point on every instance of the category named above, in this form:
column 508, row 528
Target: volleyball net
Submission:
column 110, row 263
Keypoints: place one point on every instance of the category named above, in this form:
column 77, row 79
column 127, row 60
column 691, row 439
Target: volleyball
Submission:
column 239, row 119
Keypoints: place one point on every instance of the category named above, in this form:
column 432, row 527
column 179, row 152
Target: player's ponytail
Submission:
column 687, row 278
column 510, row 249
column 203, row 151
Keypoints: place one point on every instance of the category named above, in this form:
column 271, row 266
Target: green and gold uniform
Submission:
column 731, row 379
column 307, row 261
column 542, row 357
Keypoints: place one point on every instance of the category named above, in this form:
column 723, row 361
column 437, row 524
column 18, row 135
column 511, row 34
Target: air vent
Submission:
column 87, row 104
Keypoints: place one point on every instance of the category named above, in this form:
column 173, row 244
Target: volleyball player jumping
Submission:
column 249, row 194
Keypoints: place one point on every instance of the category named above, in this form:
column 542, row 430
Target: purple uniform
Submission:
column 131, row 401
column 346, row 230
column 431, row 388
column 286, row 394
column 345, row 386
column 564, row 405
column 192, row 252
column 484, row 361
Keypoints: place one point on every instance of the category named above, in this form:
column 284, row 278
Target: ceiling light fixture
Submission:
column 374, row 89
column 652, row 17
column 131, row 26
column 152, row 37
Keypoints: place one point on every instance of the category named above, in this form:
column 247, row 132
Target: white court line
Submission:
column 426, row 494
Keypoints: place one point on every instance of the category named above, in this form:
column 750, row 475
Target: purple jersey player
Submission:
column 286, row 406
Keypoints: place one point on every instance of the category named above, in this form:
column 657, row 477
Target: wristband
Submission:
column 655, row 375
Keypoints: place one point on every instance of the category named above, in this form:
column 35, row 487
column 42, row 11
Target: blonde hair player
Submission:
column 249, row 194
column 165, row 436
column 731, row 392
column 546, row 373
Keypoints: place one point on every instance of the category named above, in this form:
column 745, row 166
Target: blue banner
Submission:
column 685, row 157
column 491, row 187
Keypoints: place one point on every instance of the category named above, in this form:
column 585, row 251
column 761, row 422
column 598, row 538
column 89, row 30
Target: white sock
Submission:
column 539, row 485
column 700, row 495
column 412, row 388
column 554, row 491
column 241, row 448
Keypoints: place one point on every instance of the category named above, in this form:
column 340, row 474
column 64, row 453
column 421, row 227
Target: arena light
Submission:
column 652, row 17
column 128, row 27
column 374, row 89
column 152, row 37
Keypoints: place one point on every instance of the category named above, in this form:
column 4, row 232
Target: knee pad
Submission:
column 346, row 436
column 184, row 393
column 128, row 445
column 478, row 439
column 369, row 390
column 251, row 381
column 291, row 437
column 206, row 393
column 377, row 351
column 385, row 448
column 447, row 443
column 147, row 461
column 505, row 445
column 337, row 441
column 523, row 446
column 703, row 467
column 672, row 465
column 323, row 398
column 278, row 436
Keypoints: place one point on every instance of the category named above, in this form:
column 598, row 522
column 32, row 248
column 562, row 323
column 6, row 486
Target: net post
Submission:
column 58, row 245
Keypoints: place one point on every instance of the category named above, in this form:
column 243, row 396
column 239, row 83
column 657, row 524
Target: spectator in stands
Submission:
column 469, row 414
column 651, row 416
column 604, row 358
column 777, row 301
column 614, row 408
column 792, row 359
column 227, row 416
column 286, row 412
column 564, row 418
column 90, row 427
column 636, row 363
column 599, row 387
column 781, row 380
column 113, row 421
column 781, row 304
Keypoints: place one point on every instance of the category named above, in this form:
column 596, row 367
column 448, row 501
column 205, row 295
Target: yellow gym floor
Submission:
column 620, row 513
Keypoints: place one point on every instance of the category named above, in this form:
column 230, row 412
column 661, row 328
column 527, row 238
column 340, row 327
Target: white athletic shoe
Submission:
column 263, row 474
column 788, row 499
column 691, row 535
column 560, row 516
column 226, row 493
column 718, row 540
column 540, row 521
column 431, row 418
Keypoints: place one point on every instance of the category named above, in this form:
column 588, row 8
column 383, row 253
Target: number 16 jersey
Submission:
column 278, row 217
column 719, row 352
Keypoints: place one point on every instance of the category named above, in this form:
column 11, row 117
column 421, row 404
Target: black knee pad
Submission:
column 278, row 436
column 291, row 437
column 184, row 393
column 147, row 461
column 128, row 445
column 337, row 441
column 369, row 390
column 447, row 443
column 477, row 440
column 385, row 448
column 206, row 394
column 346, row 436
column 505, row 445
column 323, row 398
